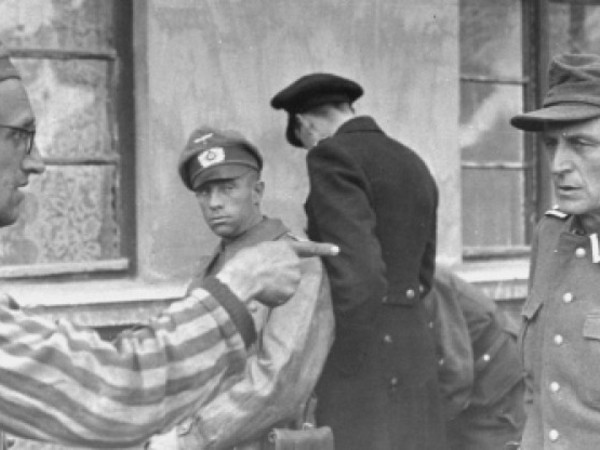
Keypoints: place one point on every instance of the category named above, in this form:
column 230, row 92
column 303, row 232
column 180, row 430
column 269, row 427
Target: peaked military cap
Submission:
column 212, row 154
column 310, row 91
column 573, row 93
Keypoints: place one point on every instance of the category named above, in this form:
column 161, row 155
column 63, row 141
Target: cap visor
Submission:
column 539, row 119
column 220, row 172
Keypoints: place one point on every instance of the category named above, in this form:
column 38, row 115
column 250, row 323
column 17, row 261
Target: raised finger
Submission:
column 306, row 249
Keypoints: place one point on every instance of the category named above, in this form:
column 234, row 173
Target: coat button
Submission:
column 553, row 435
column 486, row 357
column 393, row 381
column 554, row 387
column 384, row 299
column 558, row 339
column 580, row 252
column 430, row 324
column 410, row 294
column 387, row 339
column 441, row 362
column 421, row 289
column 568, row 297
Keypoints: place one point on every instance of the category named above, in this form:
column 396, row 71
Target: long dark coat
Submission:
column 376, row 199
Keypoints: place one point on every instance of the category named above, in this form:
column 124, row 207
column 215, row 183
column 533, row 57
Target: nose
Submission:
column 215, row 200
column 33, row 162
column 561, row 159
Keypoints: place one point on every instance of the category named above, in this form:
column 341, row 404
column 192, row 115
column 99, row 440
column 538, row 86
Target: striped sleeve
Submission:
column 62, row 383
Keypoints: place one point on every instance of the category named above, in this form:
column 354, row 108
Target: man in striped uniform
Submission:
column 64, row 384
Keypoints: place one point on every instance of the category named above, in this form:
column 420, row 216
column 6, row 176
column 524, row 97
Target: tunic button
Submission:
column 553, row 435
column 558, row 339
column 568, row 297
column 430, row 324
column 486, row 357
column 554, row 387
column 441, row 361
column 393, row 381
column 387, row 339
column 421, row 288
column 580, row 252
column 384, row 299
column 410, row 294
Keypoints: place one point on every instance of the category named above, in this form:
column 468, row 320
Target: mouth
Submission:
column 567, row 190
column 217, row 220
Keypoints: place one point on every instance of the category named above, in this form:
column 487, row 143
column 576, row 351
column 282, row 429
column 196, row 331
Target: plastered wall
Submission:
column 219, row 62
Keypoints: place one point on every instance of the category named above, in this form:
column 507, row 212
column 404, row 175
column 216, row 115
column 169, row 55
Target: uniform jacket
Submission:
column 376, row 199
column 478, row 361
column 560, row 338
column 283, row 367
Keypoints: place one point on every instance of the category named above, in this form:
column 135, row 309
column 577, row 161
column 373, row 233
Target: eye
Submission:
column 550, row 142
column 201, row 193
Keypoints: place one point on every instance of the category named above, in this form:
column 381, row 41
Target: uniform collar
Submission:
column 266, row 230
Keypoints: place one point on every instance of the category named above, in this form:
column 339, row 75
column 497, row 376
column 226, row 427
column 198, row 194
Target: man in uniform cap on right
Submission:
column 560, row 335
column 376, row 199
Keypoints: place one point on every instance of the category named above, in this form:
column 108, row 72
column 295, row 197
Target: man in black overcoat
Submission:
column 377, row 200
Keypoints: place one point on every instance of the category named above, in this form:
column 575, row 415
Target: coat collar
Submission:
column 266, row 230
column 359, row 124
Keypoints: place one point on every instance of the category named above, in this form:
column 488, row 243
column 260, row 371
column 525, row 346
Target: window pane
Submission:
column 574, row 28
column 70, row 101
column 83, row 24
column 490, row 38
column 68, row 216
column 492, row 208
column 485, row 131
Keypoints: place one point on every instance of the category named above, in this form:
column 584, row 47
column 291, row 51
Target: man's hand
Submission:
column 270, row 271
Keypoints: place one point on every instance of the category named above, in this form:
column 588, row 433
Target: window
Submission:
column 496, row 165
column 574, row 26
column 505, row 50
column 74, row 58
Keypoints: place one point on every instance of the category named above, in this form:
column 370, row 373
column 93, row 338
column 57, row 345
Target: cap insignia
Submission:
column 211, row 156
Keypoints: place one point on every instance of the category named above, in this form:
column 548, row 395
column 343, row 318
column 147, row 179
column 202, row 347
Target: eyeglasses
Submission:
column 23, row 135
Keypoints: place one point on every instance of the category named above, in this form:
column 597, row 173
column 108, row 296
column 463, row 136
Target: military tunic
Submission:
column 481, row 377
column 560, row 338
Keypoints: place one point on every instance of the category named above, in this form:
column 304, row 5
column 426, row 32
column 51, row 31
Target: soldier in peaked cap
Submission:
column 223, row 168
column 561, row 326
column 376, row 199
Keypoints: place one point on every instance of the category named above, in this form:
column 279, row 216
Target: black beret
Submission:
column 212, row 154
column 310, row 91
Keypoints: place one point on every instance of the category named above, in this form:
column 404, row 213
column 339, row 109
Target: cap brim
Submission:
column 225, row 171
column 540, row 119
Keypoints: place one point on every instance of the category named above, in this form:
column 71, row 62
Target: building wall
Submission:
column 220, row 62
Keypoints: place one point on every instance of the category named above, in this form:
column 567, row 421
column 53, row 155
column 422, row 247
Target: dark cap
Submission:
column 212, row 154
column 311, row 91
column 573, row 93
column 7, row 70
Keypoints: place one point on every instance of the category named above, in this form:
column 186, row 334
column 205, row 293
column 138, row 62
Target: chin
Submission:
column 573, row 208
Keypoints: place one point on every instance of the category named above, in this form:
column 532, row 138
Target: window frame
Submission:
column 536, row 188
